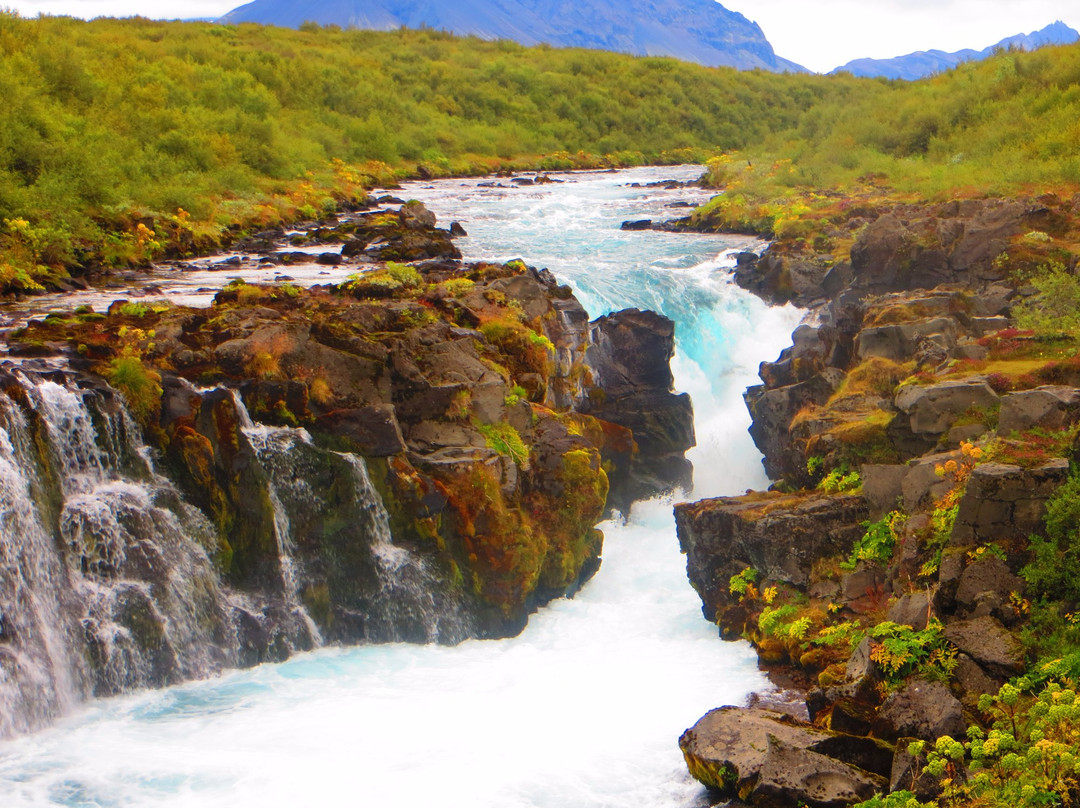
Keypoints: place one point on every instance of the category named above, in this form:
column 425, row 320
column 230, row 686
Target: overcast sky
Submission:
column 820, row 34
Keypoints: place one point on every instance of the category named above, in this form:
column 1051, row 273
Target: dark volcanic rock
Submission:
column 1004, row 502
column 780, row 536
column 1050, row 407
column 796, row 776
column 989, row 644
column 921, row 709
column 770, row 759
column 630, row 356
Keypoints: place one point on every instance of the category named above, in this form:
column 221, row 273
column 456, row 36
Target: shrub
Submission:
column 901, row 651
column 1055, row 308
column 1054, row 569
column 878, row 542
column 504, row 439
column 840, row 481
column 404, row 274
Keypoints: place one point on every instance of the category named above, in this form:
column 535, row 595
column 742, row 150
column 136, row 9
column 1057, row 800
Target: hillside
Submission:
column 126, row 140
column 701, row 31
column 194, row 131
column 921, row 64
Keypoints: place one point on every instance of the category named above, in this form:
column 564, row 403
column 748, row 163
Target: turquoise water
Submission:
column 585, row 707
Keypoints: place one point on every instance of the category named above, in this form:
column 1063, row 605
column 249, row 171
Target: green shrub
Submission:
column 403, row 273
column 1054, row 569
column 140, row 386
column 840, row 481
column 878, row 542
column 1055, row 308
column 504, row 439
column 901, row 651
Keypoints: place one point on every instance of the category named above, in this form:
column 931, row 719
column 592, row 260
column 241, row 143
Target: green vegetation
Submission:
column 878, row 543
column 504, row 439
column 901, row 651
column 121, row 140
column 1054, row 571
column 140, row 385
column 1055, row 308
column 840, row 481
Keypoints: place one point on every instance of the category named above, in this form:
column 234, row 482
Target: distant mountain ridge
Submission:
column 925, row 63
column 701, row 31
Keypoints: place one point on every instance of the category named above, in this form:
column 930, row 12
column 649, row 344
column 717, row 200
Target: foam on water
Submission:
column 585, row 707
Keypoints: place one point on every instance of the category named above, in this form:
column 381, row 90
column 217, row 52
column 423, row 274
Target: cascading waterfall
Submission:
column 409, row 594
column 41, row 672
column 405, row 600
column 108, row 585
column 581, row 711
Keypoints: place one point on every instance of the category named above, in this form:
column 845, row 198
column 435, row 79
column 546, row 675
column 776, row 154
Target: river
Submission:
column 585, row 707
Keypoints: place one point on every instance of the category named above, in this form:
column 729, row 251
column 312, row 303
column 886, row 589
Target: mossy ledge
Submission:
column 912, row 564
column 467, row 389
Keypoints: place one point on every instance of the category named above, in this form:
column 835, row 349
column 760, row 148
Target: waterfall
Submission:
column 403, row 599
column 107, row 582
column 41, row 672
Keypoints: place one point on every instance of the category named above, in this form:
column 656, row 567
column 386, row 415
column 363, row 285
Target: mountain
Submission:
column 925, row 63
column 701, row 31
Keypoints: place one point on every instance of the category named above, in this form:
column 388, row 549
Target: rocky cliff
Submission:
column 917, row 438
column 419, row 453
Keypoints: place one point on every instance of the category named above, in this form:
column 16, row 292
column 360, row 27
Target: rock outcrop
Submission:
column 420, row 453
column 916, row 438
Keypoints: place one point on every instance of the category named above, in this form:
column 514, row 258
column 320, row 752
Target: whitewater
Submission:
column 585, row 707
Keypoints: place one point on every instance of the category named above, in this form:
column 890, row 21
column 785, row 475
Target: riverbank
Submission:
column 918, row 435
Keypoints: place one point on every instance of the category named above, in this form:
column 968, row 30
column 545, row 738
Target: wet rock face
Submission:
column 497, row 421
column 629, row 355
column 779, row 536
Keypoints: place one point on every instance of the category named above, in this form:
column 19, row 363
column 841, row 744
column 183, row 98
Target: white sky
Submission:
column 820, row 34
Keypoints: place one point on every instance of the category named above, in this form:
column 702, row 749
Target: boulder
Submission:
column 770, row 758
column 1049, row 407
column 934, row 408
column 414, row 215
column 373, row 431
column 781, row 536
column 1004, row 502
column 989, row 644
column 972, row 681
column 791, row 775
column 921, row 485
column 985, row 587
column 921, row 709
column 913, row 610
column 900, row 342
